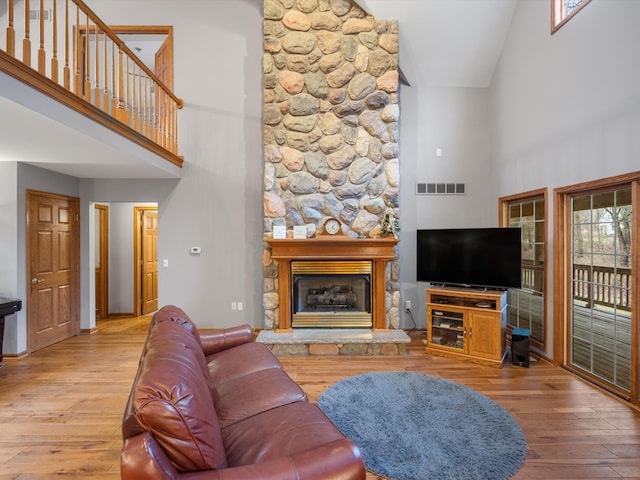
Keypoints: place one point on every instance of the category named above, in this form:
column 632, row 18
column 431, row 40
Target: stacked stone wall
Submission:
column 331, row 126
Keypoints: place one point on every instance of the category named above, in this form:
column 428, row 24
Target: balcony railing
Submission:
column 76, row 58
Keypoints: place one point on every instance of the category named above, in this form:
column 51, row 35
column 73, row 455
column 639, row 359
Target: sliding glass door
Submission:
column 600, row 321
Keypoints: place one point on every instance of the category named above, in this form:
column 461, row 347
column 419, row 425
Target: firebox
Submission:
column 331, row 294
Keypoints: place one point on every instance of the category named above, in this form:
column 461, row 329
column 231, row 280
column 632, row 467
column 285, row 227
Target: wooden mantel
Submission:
column 378, row 250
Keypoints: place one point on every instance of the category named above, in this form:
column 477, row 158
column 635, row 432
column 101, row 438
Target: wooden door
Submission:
column 149, row 256
column 164, row 62
column 53, row 259
column 102, row 262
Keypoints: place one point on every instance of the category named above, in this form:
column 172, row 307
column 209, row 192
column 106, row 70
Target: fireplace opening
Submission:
column 331, row 294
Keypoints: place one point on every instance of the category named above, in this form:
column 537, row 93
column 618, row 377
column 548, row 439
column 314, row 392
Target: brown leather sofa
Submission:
column 214, row 404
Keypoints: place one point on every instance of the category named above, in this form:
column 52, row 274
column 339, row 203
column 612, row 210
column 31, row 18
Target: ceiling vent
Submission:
column 441, row 188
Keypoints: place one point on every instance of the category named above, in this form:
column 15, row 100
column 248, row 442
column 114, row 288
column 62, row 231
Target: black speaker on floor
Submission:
column 520, row 348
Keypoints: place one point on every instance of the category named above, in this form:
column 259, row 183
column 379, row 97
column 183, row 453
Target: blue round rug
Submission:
column 411, row 426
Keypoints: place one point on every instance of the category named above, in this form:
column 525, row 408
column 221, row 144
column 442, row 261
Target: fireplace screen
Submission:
column 331, row 294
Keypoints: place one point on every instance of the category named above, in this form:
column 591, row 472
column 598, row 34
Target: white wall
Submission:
column 8, row 247
column 217, row 205
column 8, row 229
column 455, row 121
column 121, row 258
column 566, row 107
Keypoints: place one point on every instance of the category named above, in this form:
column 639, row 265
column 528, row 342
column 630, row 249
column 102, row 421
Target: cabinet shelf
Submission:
column 468, row 324
column 455, row 329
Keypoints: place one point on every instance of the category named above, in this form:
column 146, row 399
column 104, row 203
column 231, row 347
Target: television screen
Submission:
column 474, row 257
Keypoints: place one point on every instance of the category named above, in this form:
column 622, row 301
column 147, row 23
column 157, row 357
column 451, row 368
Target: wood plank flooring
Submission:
column 60, row 408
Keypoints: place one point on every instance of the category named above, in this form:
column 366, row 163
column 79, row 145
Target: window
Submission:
column 527, row 304
column 563, row 10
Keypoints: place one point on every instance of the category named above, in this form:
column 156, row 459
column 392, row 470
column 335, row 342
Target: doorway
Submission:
column 126, row 265
column 53, row 269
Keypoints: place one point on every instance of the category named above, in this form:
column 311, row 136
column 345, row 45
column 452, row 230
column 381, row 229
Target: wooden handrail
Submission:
column 123, row 88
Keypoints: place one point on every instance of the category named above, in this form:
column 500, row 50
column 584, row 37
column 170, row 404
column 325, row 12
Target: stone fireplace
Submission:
column 330, row 125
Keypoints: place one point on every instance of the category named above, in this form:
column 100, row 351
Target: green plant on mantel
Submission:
column 390, row 224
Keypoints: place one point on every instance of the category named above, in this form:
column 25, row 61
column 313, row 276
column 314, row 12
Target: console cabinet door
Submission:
column 484, row 335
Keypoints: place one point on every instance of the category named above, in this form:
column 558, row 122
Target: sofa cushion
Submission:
column 175, row 314
column 174, row 333
column 173, row 402
column 280, row 432
column 168, row 319
column 254, row 393
column 240, row 361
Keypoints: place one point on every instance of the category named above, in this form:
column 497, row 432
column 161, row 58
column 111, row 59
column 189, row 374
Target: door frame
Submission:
column 137, row 257
column 75, row 283
column 561, row 269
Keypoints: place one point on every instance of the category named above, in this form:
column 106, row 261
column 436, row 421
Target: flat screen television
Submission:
column 473, row 257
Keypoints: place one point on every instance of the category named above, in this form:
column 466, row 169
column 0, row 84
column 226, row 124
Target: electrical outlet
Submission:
column 407, row 305
column 234, row 306
column 240, row 306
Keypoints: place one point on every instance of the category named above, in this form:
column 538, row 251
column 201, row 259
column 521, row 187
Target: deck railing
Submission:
column 602, row 286
column 533, row 278
column 593, row 285
column 79, row 53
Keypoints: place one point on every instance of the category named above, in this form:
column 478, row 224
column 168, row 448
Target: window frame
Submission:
column 558, row 18
column 504, row 204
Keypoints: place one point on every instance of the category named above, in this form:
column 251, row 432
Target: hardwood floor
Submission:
column 60, row 408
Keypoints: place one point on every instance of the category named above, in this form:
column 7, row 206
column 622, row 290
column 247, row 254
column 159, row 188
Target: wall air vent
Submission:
column 34, row 15
column 441, row 188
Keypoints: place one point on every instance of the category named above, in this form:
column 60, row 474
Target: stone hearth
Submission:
column 336, row 342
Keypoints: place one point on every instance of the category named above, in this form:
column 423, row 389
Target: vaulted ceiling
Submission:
column 447, row 43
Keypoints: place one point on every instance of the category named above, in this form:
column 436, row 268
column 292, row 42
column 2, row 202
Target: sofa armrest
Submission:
column 338, row 460
column 142, row 458
column 214, row 341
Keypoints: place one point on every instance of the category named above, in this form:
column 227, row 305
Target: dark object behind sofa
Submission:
column 216, row 404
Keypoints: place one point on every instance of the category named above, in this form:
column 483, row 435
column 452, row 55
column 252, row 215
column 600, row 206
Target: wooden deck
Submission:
column 602, row 343
column 61, row 408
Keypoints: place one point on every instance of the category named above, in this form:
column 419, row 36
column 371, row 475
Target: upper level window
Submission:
column 563, row 10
